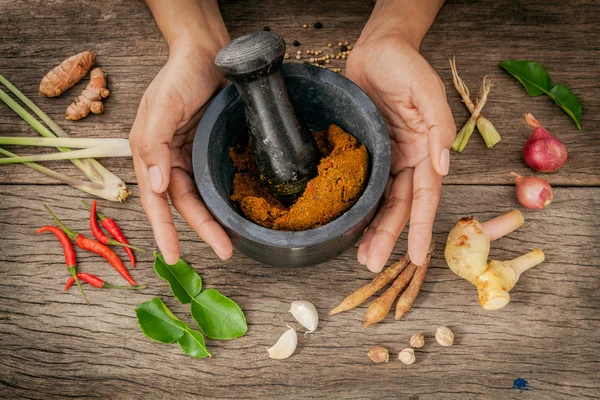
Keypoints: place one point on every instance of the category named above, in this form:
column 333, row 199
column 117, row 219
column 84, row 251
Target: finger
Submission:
column 441, row 130
column 186, row 200
column 155, row 204
column 396, row 211
column 363, row 248
column 152, row 145
column 159, row 214
column 426, row 196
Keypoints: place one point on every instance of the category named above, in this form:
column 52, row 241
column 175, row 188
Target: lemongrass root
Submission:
column 90, row 167
column 460, row 142
column 486, row 128
column 76, row 143
column 362, row 294
column 409, row 296
column 380, row 307
column 502, row 225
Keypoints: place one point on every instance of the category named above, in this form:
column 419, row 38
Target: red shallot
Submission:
column 542, row 151
column 533, row 192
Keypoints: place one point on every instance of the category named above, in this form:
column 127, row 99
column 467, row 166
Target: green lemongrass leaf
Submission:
column 532, row 75
column 158, row 323
column 184, row 280
column 536, row 80
column 192, row 343
column 568, row 101
column 218, row 316
column 76, row 143
column 99, row 152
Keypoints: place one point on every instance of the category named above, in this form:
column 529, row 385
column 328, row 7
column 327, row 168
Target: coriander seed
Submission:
column 417, row 340
column 286, row 56
column 407, row 356
column 444, row 336
column 305, row 26
column 298, row 56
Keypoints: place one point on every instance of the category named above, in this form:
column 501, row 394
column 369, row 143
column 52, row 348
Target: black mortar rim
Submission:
column 232, row 220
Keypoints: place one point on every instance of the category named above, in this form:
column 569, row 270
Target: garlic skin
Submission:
column 285, row 346
column 407, row 356
column 444, row 336
column 306, row 314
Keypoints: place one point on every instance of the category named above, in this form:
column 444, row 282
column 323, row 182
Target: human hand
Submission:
column 161, row 143
column 412, row 100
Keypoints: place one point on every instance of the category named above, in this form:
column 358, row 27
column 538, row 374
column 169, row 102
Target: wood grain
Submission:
column 54, row 346
column 131, row 49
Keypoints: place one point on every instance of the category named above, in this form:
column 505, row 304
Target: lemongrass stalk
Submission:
column 97, row 152
column 108, row 192
column 75, row 143
column 90, row 167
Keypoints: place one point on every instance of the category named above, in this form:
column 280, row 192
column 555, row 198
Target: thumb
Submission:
column 437, row 116
column 162, row 118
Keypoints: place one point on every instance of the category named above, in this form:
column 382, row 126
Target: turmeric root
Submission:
column 362, row 294
column 91, row 97
column 67, row 74
column 380, row 308
column 409, row 296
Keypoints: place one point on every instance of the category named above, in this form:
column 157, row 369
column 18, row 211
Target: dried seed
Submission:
column 286, row 56
column 298, row 56
column 299, row 52
column 318, row 25
column 305, row 26
column 327, row 61
column 266, row 29
column 296, row 43
column 329, row 45
column 312, row 59
column 346, row 43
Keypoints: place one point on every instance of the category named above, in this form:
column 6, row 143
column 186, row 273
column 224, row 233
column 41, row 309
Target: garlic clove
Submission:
column 285, row 346
column 306, row 314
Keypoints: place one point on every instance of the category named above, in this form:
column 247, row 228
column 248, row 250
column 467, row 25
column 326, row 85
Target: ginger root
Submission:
column 467, row 250
column 91, row 97
column 67, row 74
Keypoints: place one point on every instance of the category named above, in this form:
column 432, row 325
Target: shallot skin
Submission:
column 542, row 151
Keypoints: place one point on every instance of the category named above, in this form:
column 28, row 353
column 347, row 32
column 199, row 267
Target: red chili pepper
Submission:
column 70, row 257
column 111, row 226
column 96, row 247
column 97, row 282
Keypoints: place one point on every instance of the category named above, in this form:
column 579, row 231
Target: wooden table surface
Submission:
column 53, row 346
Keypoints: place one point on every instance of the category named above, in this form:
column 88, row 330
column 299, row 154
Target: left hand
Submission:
column 412, row 100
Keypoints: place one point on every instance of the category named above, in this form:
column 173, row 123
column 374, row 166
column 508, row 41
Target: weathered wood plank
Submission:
column 130, row 47
column 53, row 346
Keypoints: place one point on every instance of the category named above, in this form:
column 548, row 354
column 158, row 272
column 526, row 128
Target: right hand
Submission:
column 161, row 144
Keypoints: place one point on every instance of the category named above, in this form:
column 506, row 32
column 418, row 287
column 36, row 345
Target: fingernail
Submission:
column 445, row 161
column 156, row 179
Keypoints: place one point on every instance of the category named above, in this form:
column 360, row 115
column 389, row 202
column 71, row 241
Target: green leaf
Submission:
column 158, row 322
column 568, row 101
column 218, row 316
column 537, row 81
column 192, row 343
column 532, row 75
column 184, row 280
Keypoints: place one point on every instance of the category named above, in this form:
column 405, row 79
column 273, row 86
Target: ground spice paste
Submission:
column 342, row 174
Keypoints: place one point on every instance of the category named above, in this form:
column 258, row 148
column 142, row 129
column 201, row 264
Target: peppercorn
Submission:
column 266, row 29
column 318, row 25
column 343, row 48
column 320, row 62
column 296, row 43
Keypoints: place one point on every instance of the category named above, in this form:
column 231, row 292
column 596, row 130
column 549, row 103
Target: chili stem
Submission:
column 73, row 272
column 69, row 232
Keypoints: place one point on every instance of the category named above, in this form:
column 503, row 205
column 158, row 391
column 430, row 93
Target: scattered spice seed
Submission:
column 320, row 62
column 299, row 52
column 343, row 48
column 312, row 59
column 346, row 43
column 349, row 47
column 286, row 56
column 344, row 56
column 305, row 26
column 329, row 45
column 298, row 57
column 339, row 43
column 296, row 43
column 266, row 29
column 327, row 61
column 307, row 52
column 318, row 25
